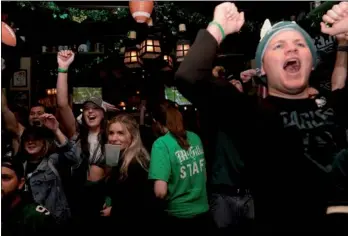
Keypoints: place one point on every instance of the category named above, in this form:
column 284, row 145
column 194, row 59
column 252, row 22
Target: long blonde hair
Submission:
column 136, row 150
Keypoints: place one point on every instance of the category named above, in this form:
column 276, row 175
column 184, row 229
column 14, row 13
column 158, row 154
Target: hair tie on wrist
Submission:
column 220, row 28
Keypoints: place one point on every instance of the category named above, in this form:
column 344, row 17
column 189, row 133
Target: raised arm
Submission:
column 10, row 120
column 67, row 149
column 339, row 74
column 338, row 18
column 194, row 76
column 65, row 58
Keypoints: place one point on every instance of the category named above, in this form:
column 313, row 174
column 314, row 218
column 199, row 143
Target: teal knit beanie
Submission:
column 274, row 30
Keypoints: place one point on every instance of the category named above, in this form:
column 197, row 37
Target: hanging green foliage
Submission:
column 166, row 12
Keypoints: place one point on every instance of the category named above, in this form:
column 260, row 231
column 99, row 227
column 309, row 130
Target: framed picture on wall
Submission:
column 20, row 98
column 20, row 79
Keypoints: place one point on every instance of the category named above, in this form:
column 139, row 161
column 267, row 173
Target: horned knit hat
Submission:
column 267, row 34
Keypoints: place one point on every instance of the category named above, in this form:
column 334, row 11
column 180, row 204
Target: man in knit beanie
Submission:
column 286, row 55
column 288, row 141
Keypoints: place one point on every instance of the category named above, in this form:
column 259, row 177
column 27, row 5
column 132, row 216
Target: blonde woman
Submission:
column 129, row 188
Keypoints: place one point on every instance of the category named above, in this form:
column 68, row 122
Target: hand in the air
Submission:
column 247, row 75
column 338, row 17
column 65, row 58
column 49, row 121
column 227, row 15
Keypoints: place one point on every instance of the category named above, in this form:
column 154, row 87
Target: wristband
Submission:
column 61, row 70
column 220, row 28
column 342, row 48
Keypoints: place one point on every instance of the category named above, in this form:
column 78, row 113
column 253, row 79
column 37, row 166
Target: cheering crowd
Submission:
column 278, row 164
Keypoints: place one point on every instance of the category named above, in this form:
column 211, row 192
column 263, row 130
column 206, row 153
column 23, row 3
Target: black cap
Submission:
column 13, row 164
column 36, row 133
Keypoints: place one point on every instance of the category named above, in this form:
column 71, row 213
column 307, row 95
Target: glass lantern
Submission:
column 132, row 59
column 150, row 49
column 182, row 48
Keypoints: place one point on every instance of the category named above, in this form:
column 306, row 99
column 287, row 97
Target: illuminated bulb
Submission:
column 195, row 109
column 81, row 110
column 138, row 92
column 185, row 108
column 124, row 108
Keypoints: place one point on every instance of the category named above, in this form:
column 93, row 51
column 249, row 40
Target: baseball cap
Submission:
column 96, row 101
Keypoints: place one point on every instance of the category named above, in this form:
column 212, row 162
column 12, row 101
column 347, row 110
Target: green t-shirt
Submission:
column 185, row 173
column 29, row 219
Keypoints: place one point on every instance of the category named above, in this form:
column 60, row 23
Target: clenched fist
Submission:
column 338, row 17
column 65, row 58
column 226, row 14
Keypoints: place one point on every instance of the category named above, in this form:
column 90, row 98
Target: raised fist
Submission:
column 227, row 15
column 65, row 58
column 338, row 17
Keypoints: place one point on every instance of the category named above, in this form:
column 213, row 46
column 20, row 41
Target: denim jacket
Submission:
column 46, row 185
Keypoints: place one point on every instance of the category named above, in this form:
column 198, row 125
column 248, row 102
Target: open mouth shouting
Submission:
column 292, row 65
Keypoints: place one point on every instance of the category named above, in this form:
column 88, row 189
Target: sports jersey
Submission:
column 27, row 218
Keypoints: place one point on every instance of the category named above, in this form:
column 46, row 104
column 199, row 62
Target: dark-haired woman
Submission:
column 177, row 167
column 87, row 177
